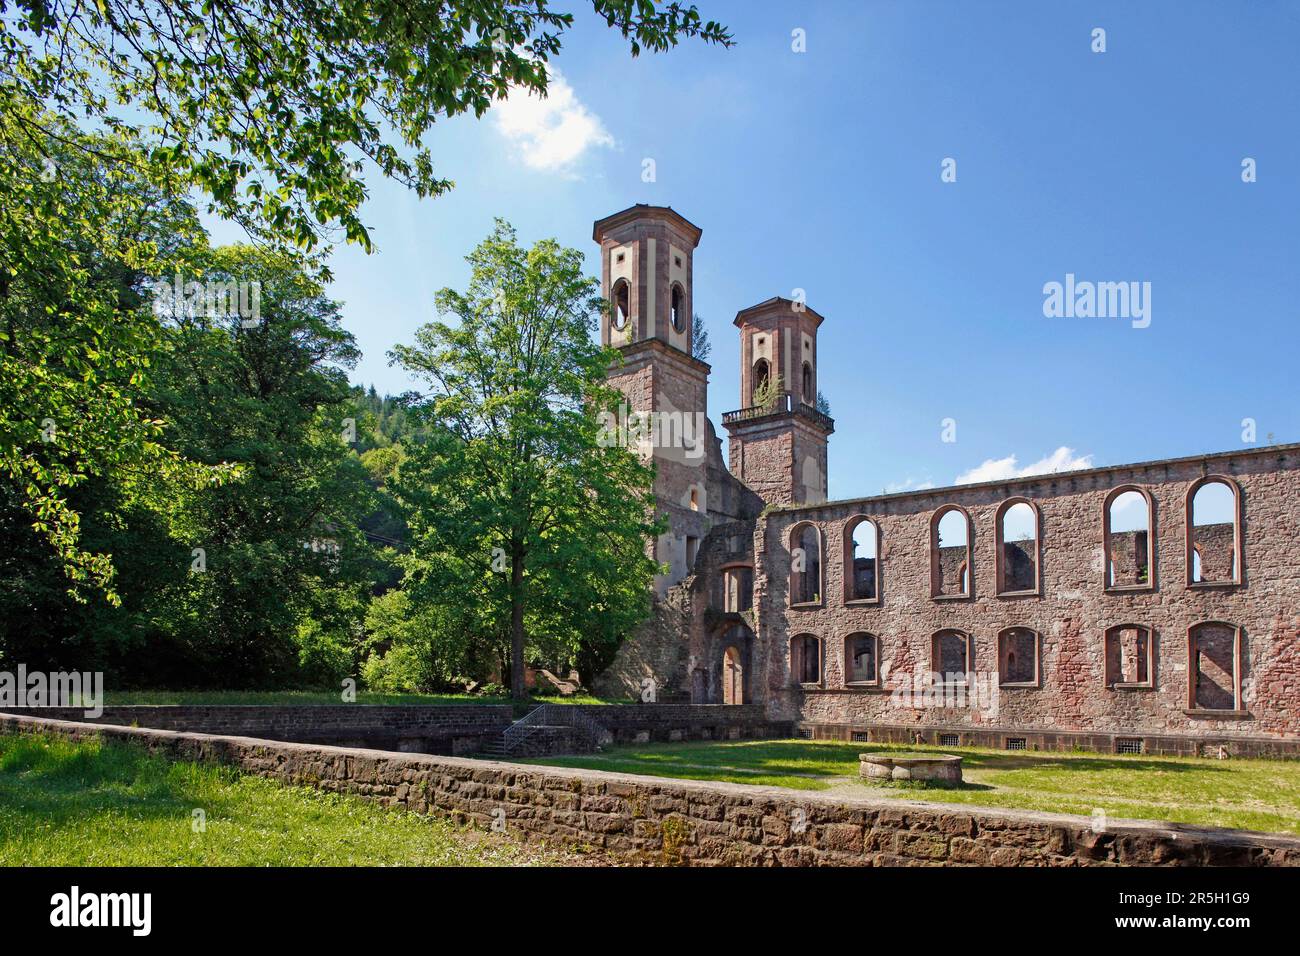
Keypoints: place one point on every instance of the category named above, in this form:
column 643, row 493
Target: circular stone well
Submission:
column 944, row 768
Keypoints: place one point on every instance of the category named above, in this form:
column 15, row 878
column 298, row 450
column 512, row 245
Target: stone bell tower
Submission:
column 778, row 437
column 646, row 275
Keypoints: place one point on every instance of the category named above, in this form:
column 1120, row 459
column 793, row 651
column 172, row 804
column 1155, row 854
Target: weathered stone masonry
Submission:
column 1165, row 638
column 652, row 820
column 426, row 728
column 1071, row 615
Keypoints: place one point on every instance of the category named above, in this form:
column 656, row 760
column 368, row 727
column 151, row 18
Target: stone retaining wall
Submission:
column 430, row 728
column 655, row 820
column 643, row 723
column 420, row 728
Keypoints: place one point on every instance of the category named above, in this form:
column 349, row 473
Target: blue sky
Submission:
column 821, row 171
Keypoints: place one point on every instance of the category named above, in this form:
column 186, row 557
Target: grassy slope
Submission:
column 89, row 804
column 1250, row 794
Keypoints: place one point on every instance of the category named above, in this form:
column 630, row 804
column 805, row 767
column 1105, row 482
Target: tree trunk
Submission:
column 516, row 621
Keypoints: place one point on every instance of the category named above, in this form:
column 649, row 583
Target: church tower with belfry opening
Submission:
column 646, row 271
column 778, row 436
column 699, row 644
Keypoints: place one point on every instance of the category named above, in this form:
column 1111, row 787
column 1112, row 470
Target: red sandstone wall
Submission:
column 1071, row 615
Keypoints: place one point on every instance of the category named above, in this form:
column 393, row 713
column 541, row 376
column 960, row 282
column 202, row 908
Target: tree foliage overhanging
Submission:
column 190, row 499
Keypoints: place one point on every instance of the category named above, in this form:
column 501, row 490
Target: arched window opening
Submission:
column 808, row 397
column 738, row 589
column 1018, row 657
column 1214, row 532
column 1130, row 656
column 950, row 554
column 1018, row 548
column 952, row 657
column 622, row 310
column 862, row 573
column 1128, row 538
column 733, row 677
column 861, row 657
column 758, row 384
column 1215, row 671
column 805, row 565
column 678, row 308
column 805, row 659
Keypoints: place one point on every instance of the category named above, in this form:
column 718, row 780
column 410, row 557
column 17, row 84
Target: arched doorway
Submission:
column 733, row 677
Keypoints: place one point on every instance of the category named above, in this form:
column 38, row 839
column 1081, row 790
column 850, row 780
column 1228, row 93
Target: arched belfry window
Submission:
column 808, row 397
column 620, row 304
column 758, row 381
column 678, row 308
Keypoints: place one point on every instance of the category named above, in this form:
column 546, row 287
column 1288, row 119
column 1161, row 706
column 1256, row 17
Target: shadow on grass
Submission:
column 52, row 779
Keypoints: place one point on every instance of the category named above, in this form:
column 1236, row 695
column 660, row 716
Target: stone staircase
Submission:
column 548, row 729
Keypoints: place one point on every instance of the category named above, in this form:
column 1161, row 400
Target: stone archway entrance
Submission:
column 733, row 677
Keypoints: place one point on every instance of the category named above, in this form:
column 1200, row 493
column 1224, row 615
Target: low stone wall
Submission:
column 1013, row 738
column 417, row 728
column 648, row 819
column 553, row 741
column 644, row 723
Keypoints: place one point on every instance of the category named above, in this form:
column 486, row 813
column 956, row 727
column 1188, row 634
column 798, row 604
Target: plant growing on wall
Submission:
column 768, row 391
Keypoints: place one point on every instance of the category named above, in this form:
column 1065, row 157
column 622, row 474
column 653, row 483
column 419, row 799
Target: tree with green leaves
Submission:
column 273, row 113
column 526, row 525
column 281, row 547
column 79, row 243
column 277, row 110
column 701, row 347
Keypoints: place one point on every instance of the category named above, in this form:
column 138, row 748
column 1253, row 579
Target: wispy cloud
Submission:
column 995, row 469
column 907, row 484
column 550, row 134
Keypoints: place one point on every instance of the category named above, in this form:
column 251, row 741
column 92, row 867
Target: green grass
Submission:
column 317, row 697
column 65, row 803
column 797, row 764
column 1248, row 794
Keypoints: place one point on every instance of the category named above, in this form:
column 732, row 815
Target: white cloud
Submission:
column 995, row 469
column 907, row 484
column 552, row 133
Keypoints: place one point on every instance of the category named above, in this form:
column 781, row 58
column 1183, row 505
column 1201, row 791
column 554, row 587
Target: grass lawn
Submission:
column 1249, row 794
column 92, row 804
column 313, row 697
